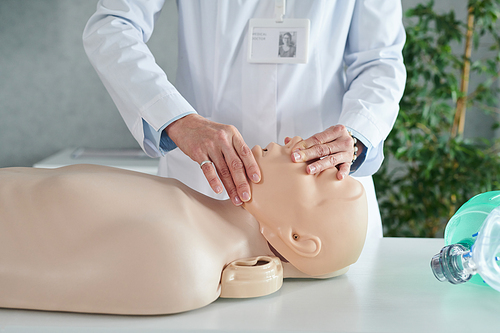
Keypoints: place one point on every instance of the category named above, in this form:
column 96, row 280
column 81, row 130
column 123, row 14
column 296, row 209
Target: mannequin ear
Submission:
column 304, row 245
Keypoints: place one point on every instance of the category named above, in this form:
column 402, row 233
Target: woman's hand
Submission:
column 205, row 140
column 333, row 147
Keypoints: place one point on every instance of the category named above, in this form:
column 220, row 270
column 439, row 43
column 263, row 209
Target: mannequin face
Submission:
column 316, row 222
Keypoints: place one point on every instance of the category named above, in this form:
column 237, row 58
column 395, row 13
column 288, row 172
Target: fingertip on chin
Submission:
column 255, row 178
column 237, row 201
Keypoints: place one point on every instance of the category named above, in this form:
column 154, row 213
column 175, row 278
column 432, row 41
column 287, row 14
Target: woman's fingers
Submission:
column 204, row 140
column 211, row 175
column 333, row 147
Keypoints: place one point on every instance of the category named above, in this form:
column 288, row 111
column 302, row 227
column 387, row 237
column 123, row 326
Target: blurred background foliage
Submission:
column 430, row 168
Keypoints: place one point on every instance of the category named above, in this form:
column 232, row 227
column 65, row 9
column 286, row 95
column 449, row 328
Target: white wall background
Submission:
column 51, row 97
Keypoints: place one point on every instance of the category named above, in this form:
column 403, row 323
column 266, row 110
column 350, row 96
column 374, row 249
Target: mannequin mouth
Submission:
column 276, row 253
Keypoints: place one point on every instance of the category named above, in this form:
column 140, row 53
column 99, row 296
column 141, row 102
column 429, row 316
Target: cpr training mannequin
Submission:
column 102, row 240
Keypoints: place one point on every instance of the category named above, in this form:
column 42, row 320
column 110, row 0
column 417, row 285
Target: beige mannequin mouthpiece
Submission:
column 252, row 277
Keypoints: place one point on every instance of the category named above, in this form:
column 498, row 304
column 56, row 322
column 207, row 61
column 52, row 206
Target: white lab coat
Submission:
column 355, row 75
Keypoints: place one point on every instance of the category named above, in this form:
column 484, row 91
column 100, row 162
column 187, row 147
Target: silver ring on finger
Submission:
column 205, row 162
column 355, row 155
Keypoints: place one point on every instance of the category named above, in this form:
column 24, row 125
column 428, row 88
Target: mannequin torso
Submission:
column 85, row 239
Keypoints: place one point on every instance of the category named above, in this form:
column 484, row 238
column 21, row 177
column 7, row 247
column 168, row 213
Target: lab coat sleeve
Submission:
column 115, row 41
column 375, row 76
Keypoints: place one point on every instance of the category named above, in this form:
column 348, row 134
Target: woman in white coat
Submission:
column 222, row 103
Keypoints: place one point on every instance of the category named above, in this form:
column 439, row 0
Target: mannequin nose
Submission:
column 293, row 141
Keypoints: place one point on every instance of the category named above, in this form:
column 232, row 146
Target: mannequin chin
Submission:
column 95, row 239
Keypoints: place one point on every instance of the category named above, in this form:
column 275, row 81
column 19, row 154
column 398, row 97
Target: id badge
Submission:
column 274, row 42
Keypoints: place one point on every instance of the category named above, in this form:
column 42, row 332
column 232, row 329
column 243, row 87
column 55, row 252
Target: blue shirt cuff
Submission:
column 360, row 158
column 160, row 138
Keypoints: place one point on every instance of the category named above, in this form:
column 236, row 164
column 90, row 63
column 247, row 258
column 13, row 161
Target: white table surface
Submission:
column 390, row 289
column 128, row 159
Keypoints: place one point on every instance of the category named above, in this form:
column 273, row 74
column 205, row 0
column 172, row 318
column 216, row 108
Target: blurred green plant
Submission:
column 430, row 168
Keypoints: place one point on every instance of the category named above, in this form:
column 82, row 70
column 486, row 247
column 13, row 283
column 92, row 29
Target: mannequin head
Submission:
column 316, row 222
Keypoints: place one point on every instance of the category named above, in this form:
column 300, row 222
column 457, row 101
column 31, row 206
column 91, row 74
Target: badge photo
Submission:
column 278, row 42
